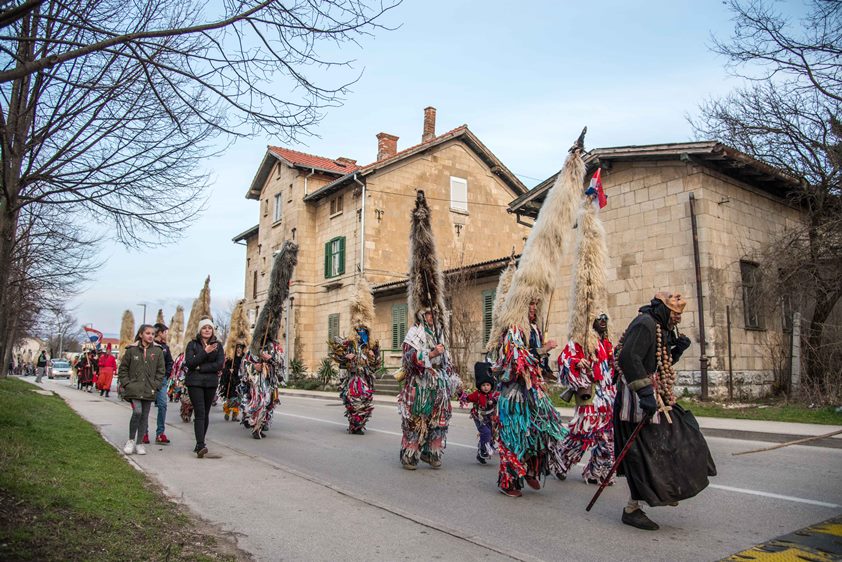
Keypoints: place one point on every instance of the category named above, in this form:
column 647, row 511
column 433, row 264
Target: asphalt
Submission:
column 310, row 491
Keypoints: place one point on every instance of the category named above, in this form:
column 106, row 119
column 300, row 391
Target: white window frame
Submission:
column 278, row 208
column 458, row 194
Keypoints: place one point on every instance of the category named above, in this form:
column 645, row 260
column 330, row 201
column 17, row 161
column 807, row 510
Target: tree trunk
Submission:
column 8, row 226
column 821, row 312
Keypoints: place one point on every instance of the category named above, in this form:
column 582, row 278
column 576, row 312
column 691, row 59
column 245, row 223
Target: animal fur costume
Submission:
column 530, row 427
column 358, row 357
column 586, row 364
column 503, row 286
column 668, row 462
column 239, row 337
column 424, row 401
column 262, row 368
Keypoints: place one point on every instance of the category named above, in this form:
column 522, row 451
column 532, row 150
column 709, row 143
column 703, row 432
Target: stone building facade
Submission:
column 352, row 220
column 740, row 205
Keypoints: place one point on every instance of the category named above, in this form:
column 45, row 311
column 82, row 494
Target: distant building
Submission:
column 740, row 204
column 351, row 220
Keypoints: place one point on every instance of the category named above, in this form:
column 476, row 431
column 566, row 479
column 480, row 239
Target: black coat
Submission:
column 167, row 359
column 203, row 368
column 230, row 377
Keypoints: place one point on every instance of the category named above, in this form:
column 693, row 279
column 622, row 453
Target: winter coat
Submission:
column 230, row 377
column 203, row 368
column 141, row 372
column 168, row 361
column 107, row 366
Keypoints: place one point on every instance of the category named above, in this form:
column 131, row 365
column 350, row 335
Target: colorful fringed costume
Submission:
column 424, row 401
column 592, row 427
column 259, row 381
column 484, row 411
column 358, row 360
column 179, row 389
column 530, row 427
column 229, row 385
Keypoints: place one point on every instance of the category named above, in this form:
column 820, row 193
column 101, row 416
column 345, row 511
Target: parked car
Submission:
column 57, row 368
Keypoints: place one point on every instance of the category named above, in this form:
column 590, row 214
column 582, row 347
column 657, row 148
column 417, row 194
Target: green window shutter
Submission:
column 327, row 260
column 399, row 327
column 395, row 326
column 341, row 256
column 487, row 313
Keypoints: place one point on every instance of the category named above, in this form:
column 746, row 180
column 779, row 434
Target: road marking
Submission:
column 775, row 496
column 717, row 486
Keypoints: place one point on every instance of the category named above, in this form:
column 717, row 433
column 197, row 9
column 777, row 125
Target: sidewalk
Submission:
column 267, row 528
column 755, row 430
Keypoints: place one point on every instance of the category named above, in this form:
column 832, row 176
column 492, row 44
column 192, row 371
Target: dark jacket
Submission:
column 203, row 368
column 230, row 376
column 167, row 359
column 637, row 358
column 141, row 372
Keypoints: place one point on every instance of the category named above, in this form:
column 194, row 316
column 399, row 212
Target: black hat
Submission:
column 482, row 373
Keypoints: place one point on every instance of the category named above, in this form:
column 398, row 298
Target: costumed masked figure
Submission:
column 530, row 427
column 586, row 364
column 591, row 377
column 358, row 358
column 262, row 368
column 669, row 461
column 178, row 376
column 236, row 343
column 424, row 401
column 484, row 410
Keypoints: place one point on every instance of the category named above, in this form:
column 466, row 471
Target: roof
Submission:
column 461, row 133
column 477, row 270
column 295, row 159
column 246, row 234
column 712, row 154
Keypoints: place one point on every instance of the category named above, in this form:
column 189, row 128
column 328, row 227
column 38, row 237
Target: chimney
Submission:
column 387, row 146
column 429, row 132
column 348, row 162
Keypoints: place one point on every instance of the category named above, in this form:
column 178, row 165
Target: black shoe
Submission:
column 201, row 451
column 481, row 459
column 638, row 519
column 256, row 435
column 561, row 476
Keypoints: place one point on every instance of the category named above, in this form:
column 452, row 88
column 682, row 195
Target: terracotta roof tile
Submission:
column 312, row 161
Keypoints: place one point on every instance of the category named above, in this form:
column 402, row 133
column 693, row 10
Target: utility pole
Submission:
column 143, row 304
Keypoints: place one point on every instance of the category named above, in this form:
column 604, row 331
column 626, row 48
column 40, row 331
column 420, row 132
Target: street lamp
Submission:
column 143, row 304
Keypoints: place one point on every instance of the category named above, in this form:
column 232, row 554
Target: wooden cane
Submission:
column 617, row 462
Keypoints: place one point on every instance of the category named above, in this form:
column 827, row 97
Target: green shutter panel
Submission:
column 487, row 313
column 402, row 312
column 341, row 256
column 395, row 325
column 327, row 260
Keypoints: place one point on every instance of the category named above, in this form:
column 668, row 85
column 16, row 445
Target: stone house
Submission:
column 352, row 220
column 739, row 204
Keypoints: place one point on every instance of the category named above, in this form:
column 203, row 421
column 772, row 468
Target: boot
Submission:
column 638, row 519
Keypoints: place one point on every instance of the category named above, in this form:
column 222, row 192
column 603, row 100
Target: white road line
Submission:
column 775, row 496
column 717, row 486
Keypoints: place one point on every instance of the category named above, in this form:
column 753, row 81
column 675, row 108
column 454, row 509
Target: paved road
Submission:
column 352, row 487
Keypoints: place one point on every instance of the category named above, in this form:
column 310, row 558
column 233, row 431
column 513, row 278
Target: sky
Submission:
column 525, row 77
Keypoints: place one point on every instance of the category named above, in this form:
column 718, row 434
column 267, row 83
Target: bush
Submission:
column 297, row 370
column 327, row 372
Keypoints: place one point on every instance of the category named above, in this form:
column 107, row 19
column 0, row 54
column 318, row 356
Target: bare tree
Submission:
column 109, row 106
column 465, row 323
column 789, row 115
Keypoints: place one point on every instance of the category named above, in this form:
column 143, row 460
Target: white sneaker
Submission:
column 140, row 449
column 130, row 447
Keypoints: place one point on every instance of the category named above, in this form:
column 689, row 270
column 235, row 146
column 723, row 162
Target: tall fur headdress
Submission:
column 362, row 305
column 503, row 286
column 590, row 296
column 239, row 332
column 426, row 282
column 177, row 331
column 535, row 276
column 269, row 321
column 201, row 309
column 126, row 329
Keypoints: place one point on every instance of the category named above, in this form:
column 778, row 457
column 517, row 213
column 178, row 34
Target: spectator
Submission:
column 140, row 376
column 107, row 367
column 204, row 358
column 40, row 366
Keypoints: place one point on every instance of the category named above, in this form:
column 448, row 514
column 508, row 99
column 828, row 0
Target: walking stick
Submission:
column 617, row 462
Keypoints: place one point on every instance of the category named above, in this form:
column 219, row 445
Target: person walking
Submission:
column 41, row 366
column 107, row 368
column 203, row 358
column 161, row 336
column 140, row 376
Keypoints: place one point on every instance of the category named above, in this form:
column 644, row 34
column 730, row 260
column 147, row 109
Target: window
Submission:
column 254, row 285
column 336, row 205
column 332, row 326
column 293, row 234
column 252, row 317
column 277, row 215
column 786, row 313
column 458, row 194
column 335, row 257
column 487, row 313
column 750, row 275
column 399, row 312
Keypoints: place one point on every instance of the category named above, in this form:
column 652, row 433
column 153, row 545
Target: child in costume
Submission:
column 484, row 410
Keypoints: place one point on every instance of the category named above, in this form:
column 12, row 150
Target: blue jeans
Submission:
column 161, row 403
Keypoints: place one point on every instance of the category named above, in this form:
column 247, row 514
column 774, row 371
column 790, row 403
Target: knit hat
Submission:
column 482, row 373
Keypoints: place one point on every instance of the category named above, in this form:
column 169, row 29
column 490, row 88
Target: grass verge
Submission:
column 66, row 494
column 769, row 411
